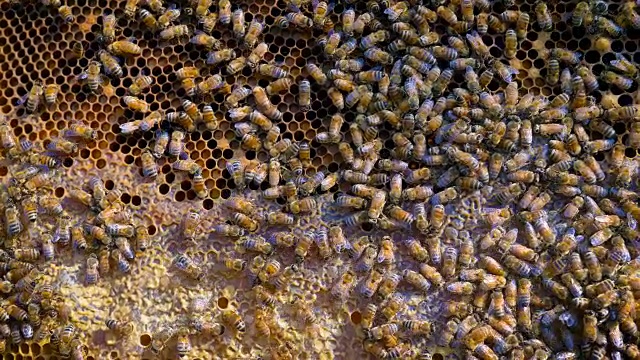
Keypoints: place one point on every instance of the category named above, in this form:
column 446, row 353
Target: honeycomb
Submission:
column 160, row 293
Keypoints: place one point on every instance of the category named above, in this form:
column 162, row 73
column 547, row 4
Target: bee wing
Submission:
column 631, row 222
column 294, row 8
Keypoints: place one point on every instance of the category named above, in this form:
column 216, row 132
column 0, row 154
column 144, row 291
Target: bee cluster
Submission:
column 514, row 212
column 36, row 230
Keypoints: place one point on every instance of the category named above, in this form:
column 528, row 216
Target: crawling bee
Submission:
column 257, row 54
column 124, row 48
column 111, row 65
column 618, row 80
column 136, row 105
column 66, row 14
column 51, row 93
column 169, row 16
column 140, row 84
column 206, row 41
column 255, row 29
column 299, row 19
column 62, row 146
column 272, row 71
column 81, row 131
column 216, row 57
column 316, row 73
column 149, row 166
column 93, row 76
column 304, row 95
column 175, row 32
column 77, row 49
column 32, row 98
column 232, row 318
column 147, row 18
column 237, row 21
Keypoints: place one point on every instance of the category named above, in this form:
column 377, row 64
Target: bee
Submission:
column 136, row 105
column 62, row 146
column 353, row 202
column 148, row 19
column 257, row 55
column 304, row 95
column 33, row 97
column 217, row 57
column 66, row 14
column 303, row 205
column 175, row 32
column 625, row 66
column 140, row 84
column 304, row 311
column 620, row 81
column 270, row 270
column 316, row 73
column 320, row 11
column 224, row 11
column 7, row 139
column 175, row 147
column 368, row 315
column 245, row 222
column 169, row 16
column 161, row 143
column 237, row 21
column 264, row 104
column 93, row 76
column 522, row 25
column 395, row 303
column 299, row 19
column 603, row 24
column 232, row 318
column 344, row 285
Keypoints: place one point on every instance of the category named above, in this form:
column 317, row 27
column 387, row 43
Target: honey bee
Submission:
column 368, row 315
column 168, row 16
column 232, row 318
column 395, row 303
column 176, row 146
column 299, row 19
column 367, row 260
column 175, row 32
column 66, row 14
column 620, row 81
column 136, row 105
column 32, row 98
column 257, row 54
column 344, row 285
column 219, row 56
column 264, row 104
column 304, row 311
column 269, row 271
column 316, row 73
column 304, row 95
column 304, row 205
column 245, row 222
column 237, row 21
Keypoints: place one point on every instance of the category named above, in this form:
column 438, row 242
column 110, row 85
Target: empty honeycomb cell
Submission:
column 180, row 196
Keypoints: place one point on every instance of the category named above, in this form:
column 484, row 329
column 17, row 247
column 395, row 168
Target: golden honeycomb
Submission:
column 158, row 297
